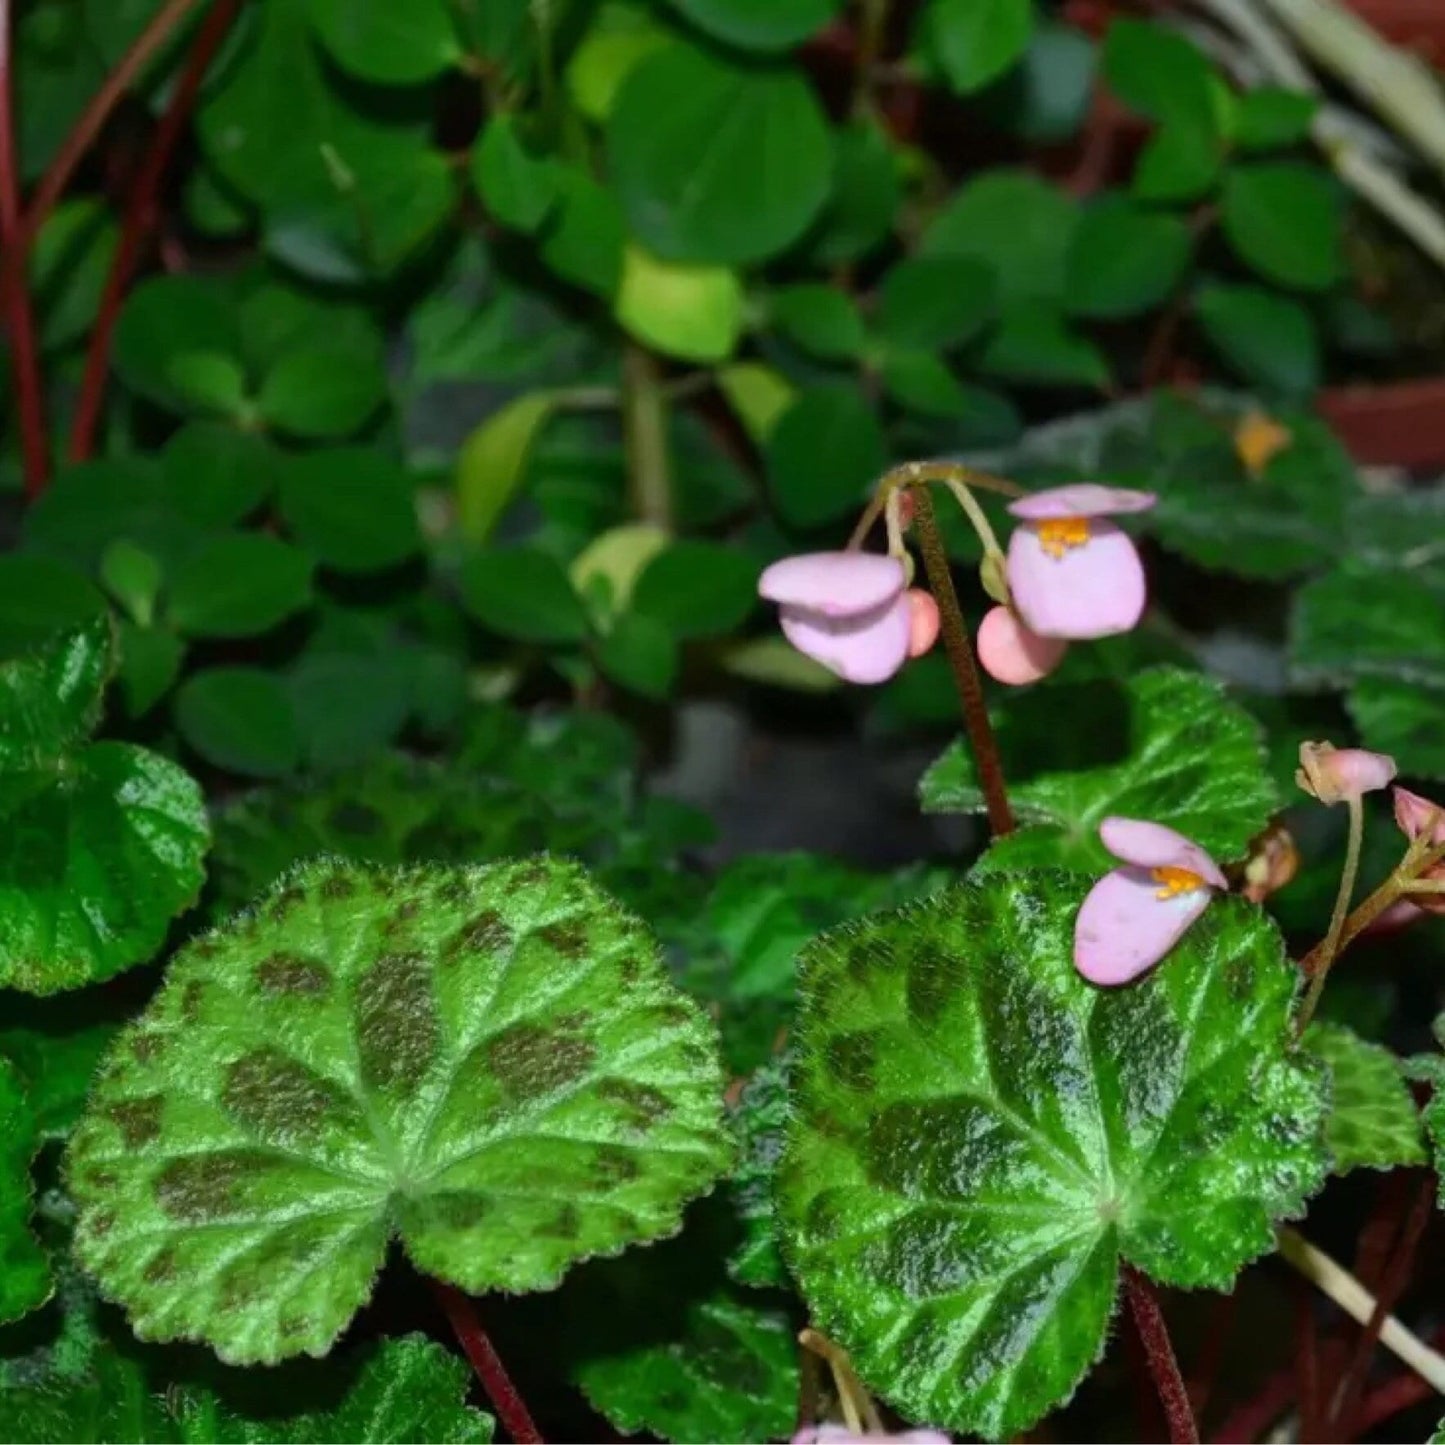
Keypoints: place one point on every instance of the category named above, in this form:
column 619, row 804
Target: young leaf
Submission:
column 322, row 392
column 640, row 653
column 739, row 170
column 867, row 190
column 105, row 840
column 1033, row 343
column 1190, row 759
column 24, row 1269
column 517, row 186
column 980, row 1136
column 691, row 312
column 486, row 1062
column 1270, row 118
column 1373, row 1122
column 1158, row 73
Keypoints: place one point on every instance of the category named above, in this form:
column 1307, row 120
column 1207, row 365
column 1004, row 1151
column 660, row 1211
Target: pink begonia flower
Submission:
column 1134, row 915
column 842, row 1435
column 1010, row 653
column 924, row 622
column 1416, row 815
column 848, row 610
column 1072, row 573
column 1335, row 775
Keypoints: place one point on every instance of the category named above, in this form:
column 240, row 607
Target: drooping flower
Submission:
column 1073, row 573
column 848, row 610
column 924, row 622
column 1136, row 913
column 1418, row 816
column 1337, row 775
column 1010, row 653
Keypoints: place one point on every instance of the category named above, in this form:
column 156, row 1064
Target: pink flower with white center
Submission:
column 1073, row 573
column 1135, row 914
column 1011, row 654
column 851, row 611
column 1342, row 775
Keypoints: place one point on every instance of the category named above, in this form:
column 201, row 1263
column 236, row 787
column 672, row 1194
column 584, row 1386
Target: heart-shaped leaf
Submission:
column 1177, row 752
column 24, row 1271
column 980, row 1136
column 1373, row 1121
column 487, row 1062
column 104, row 841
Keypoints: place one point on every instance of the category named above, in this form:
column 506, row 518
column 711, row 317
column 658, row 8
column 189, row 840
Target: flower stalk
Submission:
column 1330, row 945
column 1159, row 1351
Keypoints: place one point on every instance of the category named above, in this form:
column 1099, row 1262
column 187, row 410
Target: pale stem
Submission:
column 1331, row 945
column 893, row 518
column 975, row 515
column 1345, row 1290
column 644, row 425
column 860, row 1414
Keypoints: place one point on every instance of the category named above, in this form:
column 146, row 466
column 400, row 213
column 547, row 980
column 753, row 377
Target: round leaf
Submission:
column 240, row 719
column 1286, row 221
column 238, row 586
column 523, row 593
column 488, row 1062
column 759, row 24
column 104, row 841
column 825, row 452
column 935, row 301
column 698, row 589
column 352, row 508
column 694, row 313
column 517, row 187
column 977, row 40
column 178, row 344
column 980, row 1136
column 1125, row 260
column 39, row 597
column 322, row 391
column 382, row 41
column 738, row 169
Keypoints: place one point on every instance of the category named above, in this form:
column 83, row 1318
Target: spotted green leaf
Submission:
column 1168, row 747
column 980, row 1136
column 24, row 1272
column 1373, row 1122
column 56, row 1053
column 758, row 1120
column 665, row 1343
column 487, row 1063
column 104, row 842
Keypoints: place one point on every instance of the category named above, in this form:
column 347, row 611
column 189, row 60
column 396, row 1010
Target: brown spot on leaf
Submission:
column 284, row 902
column 528, row 1060
column 292, row 973
column 568, row 936
column 192, row 998
column 641, row 1104
column 337, row 886
column 200, row 1187
column 565, row 1224
column 396, row 1022
column 281, row 1098
column 612, row 1166
column 487, row 932
column 146, row 1044
column 139, row 1120
column 101, row 1222
column 161, row 1268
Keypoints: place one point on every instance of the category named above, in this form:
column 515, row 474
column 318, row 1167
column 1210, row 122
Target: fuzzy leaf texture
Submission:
column 486, row 1062
column 104, row 842
column 24, row 1271
column 1373, row 1121
column 980, row 1136
column 1168, row 747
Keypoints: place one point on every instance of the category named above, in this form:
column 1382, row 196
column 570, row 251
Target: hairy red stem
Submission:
column 140, row 219
column 510, row 1407
column 1159, row 1351
column 19, row 320
column 1392, row 1285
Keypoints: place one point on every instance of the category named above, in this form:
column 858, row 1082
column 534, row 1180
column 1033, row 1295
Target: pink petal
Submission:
column 1400, row 914
column 1082, row 499
column 1093, row 590
column 1152, row 845
column 923, row 621
column 837, row 584
column 830, row 1434
column 1334, row 774
column 1125, row 927
column 1415, row 815
column 865, row 648
column 1011, row 653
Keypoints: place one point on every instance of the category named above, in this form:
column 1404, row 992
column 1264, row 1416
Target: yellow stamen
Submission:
column 1174, row 881
column 1258, row 439
column 1058, row 535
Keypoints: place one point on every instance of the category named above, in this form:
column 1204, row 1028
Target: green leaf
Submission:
column 1125, row 260
column 1017, row 224
column 738, row 171
column 934, row 302
column 759, row 24
column 618, row 37
column 238, row 586
column 823, row 320
column 639, row 653
column 348, row 706
column 980, row 1137
column 921, row 382
column 1286, row 221
column 178, row 344
column 214, row 475
column 69, row 261
column 150, row 663
column 487, row 1062
column 694, row 313
column 1373, row 1122
column 863, row 203
column 105, row 841
column 516, row 185
column 698, row 589
column 665, row 1344
column 241, row 719
column 1270, row 340
column 1403, row 720
column 492, row 463
column 40, row 597
column 1033, row 343
column 1271, row 118
column 585, row 238
column 1191, row 760
column 1045, row 98
column 523, row 593
column 1179, row 163
column 1159, row 73
column 24, row 1270
column 352, row 508
column 56, row 1056
column 387, row 43
column 323, row 391
column 977, row 40
column 759, row 1119
column 825, row 452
